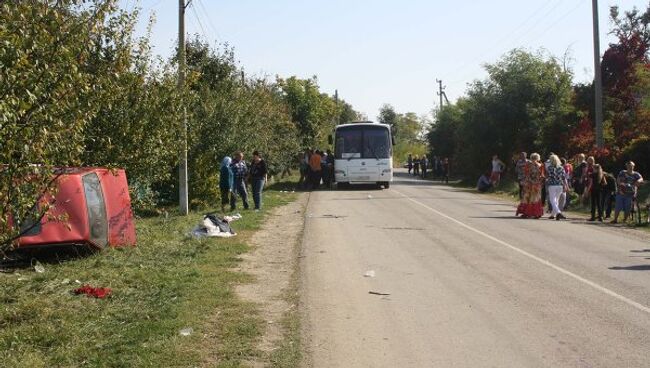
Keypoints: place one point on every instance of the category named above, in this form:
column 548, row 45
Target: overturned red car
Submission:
column 92, row 207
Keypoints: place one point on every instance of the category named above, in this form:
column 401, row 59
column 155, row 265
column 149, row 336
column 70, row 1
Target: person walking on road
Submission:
column 226, row 182
column 240, row 172
column 531, row 204
column 497, row 168
column 556, row 184
column 258, row 174
column 628, row 181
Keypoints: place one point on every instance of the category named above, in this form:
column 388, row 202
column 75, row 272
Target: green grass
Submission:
column 169, row 281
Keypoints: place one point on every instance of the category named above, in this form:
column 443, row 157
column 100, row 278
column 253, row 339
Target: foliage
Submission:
column 314, row 113
column 137, row 124
column 48, row 94
column 524, row 104
column 622, row 67
column 229, row 113
column 408, row 131
column 638, row 151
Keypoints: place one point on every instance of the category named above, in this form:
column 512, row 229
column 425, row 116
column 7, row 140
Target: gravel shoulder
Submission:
column 273, row 263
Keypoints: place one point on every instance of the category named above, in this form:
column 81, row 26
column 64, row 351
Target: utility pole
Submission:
column 441, row 92
column 182, row 167
column 336, row 101
column 598, row 80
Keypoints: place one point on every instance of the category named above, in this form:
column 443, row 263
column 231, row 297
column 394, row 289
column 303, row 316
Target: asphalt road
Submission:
column 470, row 285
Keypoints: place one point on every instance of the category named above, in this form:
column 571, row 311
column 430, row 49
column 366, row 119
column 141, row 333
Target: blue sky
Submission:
column 382, row 51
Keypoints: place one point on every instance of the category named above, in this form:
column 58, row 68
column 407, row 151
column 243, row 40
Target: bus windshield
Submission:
column 362, row 142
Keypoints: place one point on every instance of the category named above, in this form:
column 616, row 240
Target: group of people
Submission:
column 419, row 166
column 316, row 166
column 235, row 174
column 549, row 183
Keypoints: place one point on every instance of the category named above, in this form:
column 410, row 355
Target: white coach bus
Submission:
column 363, row 154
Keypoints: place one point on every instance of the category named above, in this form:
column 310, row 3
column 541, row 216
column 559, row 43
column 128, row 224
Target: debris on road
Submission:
column 370, row 273
column 378, row 293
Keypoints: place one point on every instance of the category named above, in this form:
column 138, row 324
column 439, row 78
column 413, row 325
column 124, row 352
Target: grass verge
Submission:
column 168, row 282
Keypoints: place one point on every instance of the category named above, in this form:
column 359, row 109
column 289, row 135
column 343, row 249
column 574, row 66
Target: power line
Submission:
column 207, row 16
column 558, row 20
column 505, row 37
column 196, row 16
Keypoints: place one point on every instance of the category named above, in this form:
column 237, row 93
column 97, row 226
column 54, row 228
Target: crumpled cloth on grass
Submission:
column 213, row 226
column 97, row 292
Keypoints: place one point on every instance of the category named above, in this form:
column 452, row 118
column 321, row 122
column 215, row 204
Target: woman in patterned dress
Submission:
column 531, row 204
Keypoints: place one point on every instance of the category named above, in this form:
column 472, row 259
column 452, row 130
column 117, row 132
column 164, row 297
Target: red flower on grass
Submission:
column 97, row 292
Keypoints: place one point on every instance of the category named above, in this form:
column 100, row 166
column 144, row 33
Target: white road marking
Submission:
column 602, row 289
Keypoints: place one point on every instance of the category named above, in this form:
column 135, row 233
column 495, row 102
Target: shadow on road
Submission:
column 632, row 268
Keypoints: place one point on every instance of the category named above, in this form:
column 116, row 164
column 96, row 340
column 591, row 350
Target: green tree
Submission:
column 47, row 95
column 524, row 104
column 313, row 112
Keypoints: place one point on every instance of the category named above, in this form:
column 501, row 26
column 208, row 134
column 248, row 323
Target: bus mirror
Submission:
column 329, row 139
column 392, row 140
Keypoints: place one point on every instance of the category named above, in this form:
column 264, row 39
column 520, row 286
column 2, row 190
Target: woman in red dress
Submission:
column 531, row 203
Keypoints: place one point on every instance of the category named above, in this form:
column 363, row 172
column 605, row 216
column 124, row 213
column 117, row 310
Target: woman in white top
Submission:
column 497, row 168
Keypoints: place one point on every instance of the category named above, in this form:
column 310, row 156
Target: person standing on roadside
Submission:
column 531, row 204
column 315, row 168
column 597, row 188
column 304, row 168
column 628, row 181
column 445, row 170
column 329, row 162
column 579, row 169
column 240, row 172
column 226, row 182
column 258, row 174
column 568, row 170
column 416, row 165
column 497, row 168
column 586, row 176
column 556, row 184
column 424, row 162
column 519, row 170
column 409, row 163
column 609, row 196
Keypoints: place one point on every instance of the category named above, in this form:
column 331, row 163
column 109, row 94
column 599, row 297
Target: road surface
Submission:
column 470, row 285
